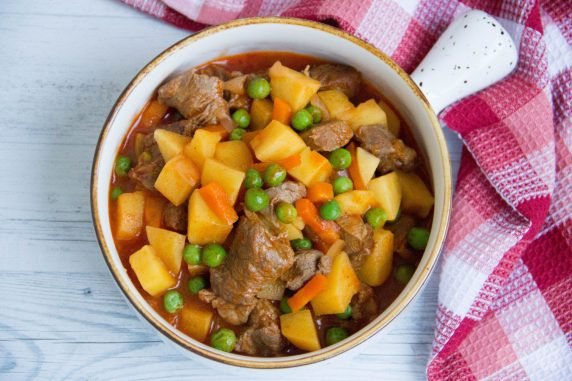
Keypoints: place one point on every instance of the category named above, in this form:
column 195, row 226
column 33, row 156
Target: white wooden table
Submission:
column 62, row 65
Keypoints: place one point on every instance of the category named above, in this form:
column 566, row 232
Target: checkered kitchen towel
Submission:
column 505, row 297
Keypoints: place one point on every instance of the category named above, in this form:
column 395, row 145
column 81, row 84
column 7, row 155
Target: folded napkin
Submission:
column 505, row 294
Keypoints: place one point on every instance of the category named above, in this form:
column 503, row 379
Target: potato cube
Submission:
column 292, row 231
column 343, row 284
column 299, row 328
column 336, row 102
column 377, row 266
column 129, row 217
column 151, row 271
column 260, row 113
column 202, row 146
column 196, row 320
column 356, row 202
column 177, row 179
column 235, row 154
column 291, row 86
column 393, row 122
column 367, row 164
column 204, row 225
column 168, row 245
column 170, row 143
column 276, row 142
column 313, row 167
column 387, row 191
column 228, row 178
column 365, row 113
column 417, row 199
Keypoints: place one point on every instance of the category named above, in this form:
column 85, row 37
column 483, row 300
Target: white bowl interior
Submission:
column 272, row 37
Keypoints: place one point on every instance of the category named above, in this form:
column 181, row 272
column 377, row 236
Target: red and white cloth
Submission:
column 505, row 294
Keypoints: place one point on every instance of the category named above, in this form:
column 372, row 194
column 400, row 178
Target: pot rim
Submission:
column 357, row 338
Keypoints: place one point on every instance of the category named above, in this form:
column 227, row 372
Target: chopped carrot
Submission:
column 353, row 170
column 247, row 138
column 320, row 192
column 291, row 161
column 281, row 111
column 260, row 167
column 308, row 292
column 218, row 201
column 218, row 129
column 326, row 230
column 154, row 210
column 154, row 112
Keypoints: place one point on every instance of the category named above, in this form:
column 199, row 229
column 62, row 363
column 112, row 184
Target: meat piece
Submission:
column 185, row 127
column 198, row 97
column 288, row 191
column 235, row 314
column 364, row 305
column 257, row 257
column 146, row 173
column 392, row 152
column 400, row 229
column 175, row 217
column 236, row 101
column 262, row 337
column 357, row 234
column 328, row 136
column 306, row 264
column 335, row 76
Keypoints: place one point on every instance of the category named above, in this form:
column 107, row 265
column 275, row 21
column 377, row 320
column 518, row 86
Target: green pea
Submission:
column 284, row 306
column 196, row 284
column 335, row 335
column 237, row 134
column 241, row 117
column 330, row 210
column 274, row 175
column 224, row 340
column 116, row 192
column 403, row 273
column 252, row 179
column 302, row 120
column 258, row 88
column 376, row 217
column 417, row 238
column 255, row 199
column 172, row 301
column 301, row 244
column 316, row 114
column 342, row 184
column 192, row 254
column 340, row 158
column 346, row 314
column 286, row 213
column 213, row 255
column 122, row 165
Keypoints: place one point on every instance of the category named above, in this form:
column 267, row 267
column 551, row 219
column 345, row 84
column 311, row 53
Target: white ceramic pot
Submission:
column 282, row 34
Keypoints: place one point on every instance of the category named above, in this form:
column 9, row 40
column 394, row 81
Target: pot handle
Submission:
column 474, row 52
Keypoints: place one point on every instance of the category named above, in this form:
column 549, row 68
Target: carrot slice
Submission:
column 154, row 112
column 218, row 201
column 320, row 192
column 281, row 111
column 326, row 230
column 218, row 129
column 314, row 286
column 353, row 170
column 291, row 161
column 154, row 211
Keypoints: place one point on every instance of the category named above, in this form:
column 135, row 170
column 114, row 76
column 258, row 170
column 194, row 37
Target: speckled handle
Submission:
column 474, row 52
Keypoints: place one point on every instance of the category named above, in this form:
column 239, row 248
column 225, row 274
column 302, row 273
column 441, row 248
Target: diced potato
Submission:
column 417, row 199
column 235, row 154
column 336, row 102
column 229, row 179
column 170, row 143
column 129, row 217
column 151, row 271
column 293, row 232
column 355, row 202
column 154, row 206
column 377, row 266
column 202, row 146
column 313, row 167
column 177, row 179
column 291, row 86
column 367, row 164
column 276, row 142
column 299, row 328
column 343, row 284
column 387, row 191
column 196, row 320
column 365, row 113
column 168, row 245
column 204, row 225
column 393, row 122
column 260, row 113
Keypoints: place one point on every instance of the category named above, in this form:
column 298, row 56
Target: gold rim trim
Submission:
column 311, row 357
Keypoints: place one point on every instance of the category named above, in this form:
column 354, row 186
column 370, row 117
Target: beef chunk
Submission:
column 393, row 153
column 175, row 217
column 146, row 173
column 364, row 305
column 328, row 136
column 400, row 229
column 288, row 191
column 236, row 314
column 262, row 337
column 358, row 237
column 235, row 92
column 341, row 77
column 306, row 264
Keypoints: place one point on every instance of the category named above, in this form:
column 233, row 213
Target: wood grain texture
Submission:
column 62, row 65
